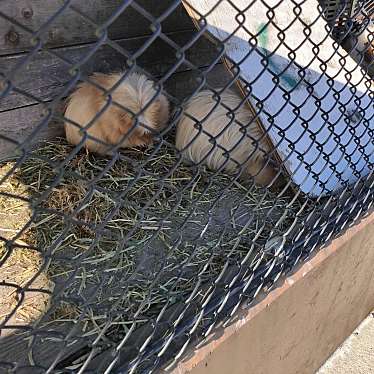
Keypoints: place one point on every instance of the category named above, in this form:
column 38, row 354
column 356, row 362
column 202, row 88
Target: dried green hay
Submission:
column 123, row 243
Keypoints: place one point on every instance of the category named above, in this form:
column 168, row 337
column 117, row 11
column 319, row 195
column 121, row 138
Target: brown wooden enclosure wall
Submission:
column 72, row 36
column 302, row 321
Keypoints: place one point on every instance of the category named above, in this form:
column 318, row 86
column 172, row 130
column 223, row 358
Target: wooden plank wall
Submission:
column 69, row 38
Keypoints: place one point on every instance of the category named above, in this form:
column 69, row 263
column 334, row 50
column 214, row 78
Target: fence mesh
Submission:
column 116, row 262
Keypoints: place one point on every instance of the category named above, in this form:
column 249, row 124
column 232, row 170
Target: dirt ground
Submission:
column 356, row 354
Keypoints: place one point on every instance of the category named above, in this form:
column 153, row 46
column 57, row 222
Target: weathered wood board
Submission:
column 70, row 28
column 45, row 74
column 317, row 106
column 45, row 347
column 18, row 124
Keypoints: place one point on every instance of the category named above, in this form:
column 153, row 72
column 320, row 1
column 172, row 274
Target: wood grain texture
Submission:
column 44, row 349
column 45, row 74
column 19, row 124
column 70, row 28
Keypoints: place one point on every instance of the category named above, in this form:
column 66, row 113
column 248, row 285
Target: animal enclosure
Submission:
column 117, row 261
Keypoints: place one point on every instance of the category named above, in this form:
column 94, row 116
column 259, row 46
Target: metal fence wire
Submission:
column 164, row 208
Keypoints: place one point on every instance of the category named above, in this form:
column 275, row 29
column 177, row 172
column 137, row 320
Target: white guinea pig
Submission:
column 205, row 119
column 134, row 93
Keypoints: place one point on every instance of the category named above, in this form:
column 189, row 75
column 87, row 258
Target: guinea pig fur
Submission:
column 134, row 93
column 211, row 120
column 360, row 45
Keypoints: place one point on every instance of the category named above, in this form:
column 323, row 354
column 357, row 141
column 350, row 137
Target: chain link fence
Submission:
column 166, row 204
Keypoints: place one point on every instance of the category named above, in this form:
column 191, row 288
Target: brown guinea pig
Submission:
column 206, row 132
column 134, row 93
column 360, row 46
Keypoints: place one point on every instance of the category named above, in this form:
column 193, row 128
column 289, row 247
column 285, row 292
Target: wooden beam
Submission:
column 70, row 28
column 45, row 75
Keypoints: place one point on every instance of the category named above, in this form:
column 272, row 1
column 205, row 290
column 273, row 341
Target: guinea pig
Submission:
column 360, row 45
column 133, row 93
column 207, row 131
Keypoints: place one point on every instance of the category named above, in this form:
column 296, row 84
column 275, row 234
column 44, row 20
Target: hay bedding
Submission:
column 128, row 240
column 22, row 265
